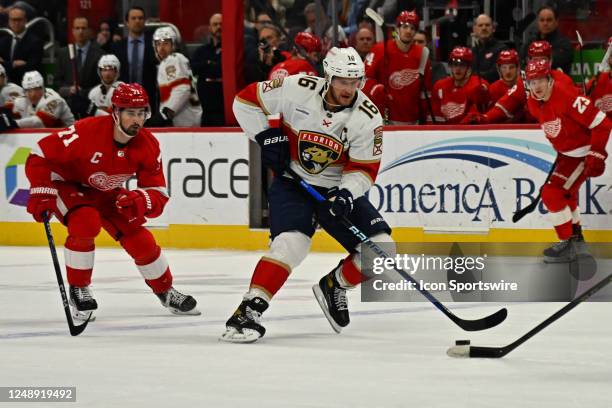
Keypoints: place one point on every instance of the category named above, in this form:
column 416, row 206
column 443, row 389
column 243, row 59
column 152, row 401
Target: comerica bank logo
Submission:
column 494, row 153
column 14, row 194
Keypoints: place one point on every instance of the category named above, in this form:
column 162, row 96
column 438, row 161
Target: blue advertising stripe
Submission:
column 487, row 161
column 10, row 179
column 534, row 161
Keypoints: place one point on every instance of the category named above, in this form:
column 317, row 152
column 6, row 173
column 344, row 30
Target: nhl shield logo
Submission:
column 317, row 151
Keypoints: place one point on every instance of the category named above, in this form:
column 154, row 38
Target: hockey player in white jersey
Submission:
column 331, row 135
column 40, row 107
column 178, row 98
column 109, row 68
column 8, row 90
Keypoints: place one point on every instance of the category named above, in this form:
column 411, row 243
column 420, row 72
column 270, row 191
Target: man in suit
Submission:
column 22, row 51
column 87, row 54
column 136, row 54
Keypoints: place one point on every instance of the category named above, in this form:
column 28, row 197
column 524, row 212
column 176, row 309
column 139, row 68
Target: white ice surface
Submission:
column 136, row 354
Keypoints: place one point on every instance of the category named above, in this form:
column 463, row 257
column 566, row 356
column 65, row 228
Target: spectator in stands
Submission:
column 311, row 14
column 87, row 53
column 262, row 19
column 438, row 70
column 486, row 48
column 178, row 98
column 22, row 51
column 364, row 40
column 548, row 30
column 107, row 35
column 599, row 88
column 462, row 93
column 403, row 68
column 305, row 58
column 206, row 63
column 269, row 54
column 138, row 62
column 101, row 95
column 40, row 107
column 8, row 91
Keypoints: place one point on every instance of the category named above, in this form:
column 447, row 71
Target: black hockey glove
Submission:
column 7, row 122
column 342, row 203
column 274, row 149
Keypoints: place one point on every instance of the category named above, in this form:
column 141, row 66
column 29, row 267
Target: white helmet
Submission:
column 165, row 33
column 344, row 63
column 109, row 61
column 2, row 70
column 31, row 80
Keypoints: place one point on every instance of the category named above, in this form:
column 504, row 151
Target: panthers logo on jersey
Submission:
column 317, row 151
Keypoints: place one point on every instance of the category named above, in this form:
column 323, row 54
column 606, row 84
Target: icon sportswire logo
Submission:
column 492, row 152
column 14, row 194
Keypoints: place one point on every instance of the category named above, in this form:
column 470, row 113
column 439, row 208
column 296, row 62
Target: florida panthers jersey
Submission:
column 8, row 94
column 177, row 91
column 291, row 67
column 399, row 73
column 571, row 122
column 51, row 111
column 328, row 149
column 101, row 96
column 86, row 153
column 601, row 92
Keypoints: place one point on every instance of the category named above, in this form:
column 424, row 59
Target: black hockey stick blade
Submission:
column 74, row 329
column 467, row 351
column 524, row 211
column 480, row 324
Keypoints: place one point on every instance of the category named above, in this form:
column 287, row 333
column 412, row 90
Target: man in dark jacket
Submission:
column 22, row 51
column 136, row 54
column 486, row 49
column 206, row 64
column 548, row 30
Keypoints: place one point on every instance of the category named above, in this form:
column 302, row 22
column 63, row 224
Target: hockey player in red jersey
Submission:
column 508, row 69
column 403, row 68
column 305, row 57
column 599, row 89
column 79, row 173
column 579, row 132
column 331, row 135
column 462, row 93
column 512, row 107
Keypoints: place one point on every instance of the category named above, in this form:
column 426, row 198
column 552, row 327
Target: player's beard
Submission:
column 132, row 130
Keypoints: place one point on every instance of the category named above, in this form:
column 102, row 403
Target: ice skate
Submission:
column 561, row 252
column 332, row 299
column 243, row 326
column 178, row 303
column 82, row 302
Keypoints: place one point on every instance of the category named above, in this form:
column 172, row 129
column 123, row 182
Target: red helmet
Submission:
column 540, row 49
column 610, row 42
column 130, row 96
column 407, row 17
column 508, row 57
column 537, row 69
column 461, row 55
column 308, row 42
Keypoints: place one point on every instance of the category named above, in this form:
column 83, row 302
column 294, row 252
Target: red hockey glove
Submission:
column 42, row 199
column 134, row 205
column 594, row 164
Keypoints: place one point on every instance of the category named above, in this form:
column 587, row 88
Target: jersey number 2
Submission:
column 64, row 133
column 581, row 104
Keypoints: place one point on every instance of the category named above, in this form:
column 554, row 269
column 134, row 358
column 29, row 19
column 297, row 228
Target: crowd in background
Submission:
column 478, row 81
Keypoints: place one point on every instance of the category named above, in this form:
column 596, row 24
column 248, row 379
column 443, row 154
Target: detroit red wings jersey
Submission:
column 86, row 154
column 177, row 92
column 498, row 89
column 101, row 96
column 601, row 94
column 571, row 122
column 291, row 67
column 51, row 111
column 451, row 103
column 328, row 149
column 9, row 93
column 399, row 73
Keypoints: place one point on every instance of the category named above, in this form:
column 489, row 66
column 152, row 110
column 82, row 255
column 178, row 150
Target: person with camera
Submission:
column 268, row 53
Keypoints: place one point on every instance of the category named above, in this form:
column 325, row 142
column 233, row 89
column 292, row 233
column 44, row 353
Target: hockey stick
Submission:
column 529, row 209
column 74, row 330
column 467, row 325
column 581, row 62
column 498, row 352
column 379, row 21
column 73, row 63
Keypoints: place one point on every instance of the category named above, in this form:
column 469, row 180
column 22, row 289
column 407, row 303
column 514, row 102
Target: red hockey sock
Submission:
column 83, row 226
column 351, row 273
column 564, row 231
column 269, row 276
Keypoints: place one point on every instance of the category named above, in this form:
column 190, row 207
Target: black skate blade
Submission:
column 323, row 304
